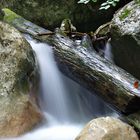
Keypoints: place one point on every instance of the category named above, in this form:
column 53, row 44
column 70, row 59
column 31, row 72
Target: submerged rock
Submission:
column 107, row 128
column 19, row 111
column 125, row 34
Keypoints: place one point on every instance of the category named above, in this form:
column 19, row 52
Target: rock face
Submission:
column 1, row 14
column 125, row 33
column 50, row 13
column 107, row 129
column 18, row 104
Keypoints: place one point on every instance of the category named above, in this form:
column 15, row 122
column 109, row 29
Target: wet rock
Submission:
column 107, row 128
column 19, row 111
column 50, row 13
column 125, row 34
column 134, row 119
column 1, row 14
column 66, row 25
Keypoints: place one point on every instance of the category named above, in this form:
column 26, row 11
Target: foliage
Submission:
column 104, row 5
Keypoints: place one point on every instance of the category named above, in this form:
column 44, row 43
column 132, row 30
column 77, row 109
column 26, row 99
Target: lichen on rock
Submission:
column 19, row 111
column 107, row 128
column 125, row 34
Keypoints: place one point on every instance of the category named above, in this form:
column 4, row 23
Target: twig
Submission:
column 66, row 32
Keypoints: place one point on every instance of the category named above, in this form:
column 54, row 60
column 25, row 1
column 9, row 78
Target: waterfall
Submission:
column 53, row 90
column 108, row 52
column 65, row 104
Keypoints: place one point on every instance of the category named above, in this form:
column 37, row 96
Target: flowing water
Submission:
column 108, row 52
column 65, row 104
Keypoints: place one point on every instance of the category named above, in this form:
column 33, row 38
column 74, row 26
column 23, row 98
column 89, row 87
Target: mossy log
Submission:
column 86, row 67
column 90, row 70
column 97, row 74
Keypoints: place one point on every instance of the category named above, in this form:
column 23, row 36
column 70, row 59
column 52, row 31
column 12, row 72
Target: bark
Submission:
column 96, row 74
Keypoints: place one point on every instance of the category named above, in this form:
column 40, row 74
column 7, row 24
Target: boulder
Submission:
column 50, row 13
column 107, row 128
column 19, row 111
column 125, row 34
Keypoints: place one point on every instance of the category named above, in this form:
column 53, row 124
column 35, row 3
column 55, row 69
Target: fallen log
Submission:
column 96, row 74
column 86, row 67
column 90, row 70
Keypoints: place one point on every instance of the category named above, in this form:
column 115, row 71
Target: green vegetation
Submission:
column 125, row 13
column 107, row 4
column 137, row 1
column 104, row 5
column 9, row 15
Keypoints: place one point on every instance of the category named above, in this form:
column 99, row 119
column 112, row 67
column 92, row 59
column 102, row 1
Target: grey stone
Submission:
column 19, row 111
column 125, row 34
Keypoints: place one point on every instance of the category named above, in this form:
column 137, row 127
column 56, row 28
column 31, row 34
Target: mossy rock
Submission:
column 134, row 119
column 9, row 15
column 107, row 128
column 19, row 111
column 125, row 34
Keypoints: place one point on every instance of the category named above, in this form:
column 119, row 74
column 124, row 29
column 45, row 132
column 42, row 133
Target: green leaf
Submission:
column 104, row 4
column 94, row 0
column 114, row 4
column 83, row 1
column 106, row 7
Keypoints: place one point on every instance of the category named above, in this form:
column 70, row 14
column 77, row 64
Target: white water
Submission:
column 108, row 52
column 53, row 90
column 65, row 104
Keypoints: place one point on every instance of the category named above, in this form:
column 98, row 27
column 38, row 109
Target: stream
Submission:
column 66, row 106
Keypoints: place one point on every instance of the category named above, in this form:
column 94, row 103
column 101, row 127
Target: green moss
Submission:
column 9, row 15
column 134, row 122
column 124, row 14
column 137, row 1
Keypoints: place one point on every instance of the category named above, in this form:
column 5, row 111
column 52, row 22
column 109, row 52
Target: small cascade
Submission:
column 53, row 98
column 108, row 52
column 66, row 106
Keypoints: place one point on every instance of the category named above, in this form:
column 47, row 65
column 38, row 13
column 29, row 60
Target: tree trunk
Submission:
column 96, row 74
column 90, row 70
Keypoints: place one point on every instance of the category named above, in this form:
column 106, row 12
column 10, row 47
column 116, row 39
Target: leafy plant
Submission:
column 86, row 1
column 104, row 5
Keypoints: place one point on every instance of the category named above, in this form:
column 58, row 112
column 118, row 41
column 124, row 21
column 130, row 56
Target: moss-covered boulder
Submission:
column 50, row 13
column 19, row 111
column 107, row 128
column 134, row 119
column 125, row 33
